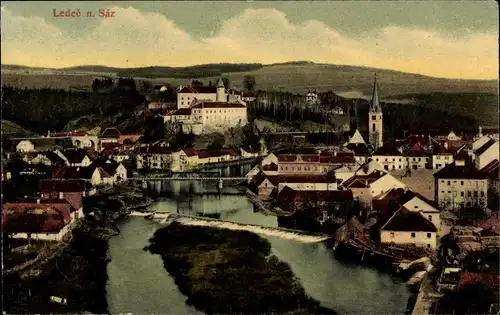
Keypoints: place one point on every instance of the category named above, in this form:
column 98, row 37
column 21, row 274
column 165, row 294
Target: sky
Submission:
column 451, row 39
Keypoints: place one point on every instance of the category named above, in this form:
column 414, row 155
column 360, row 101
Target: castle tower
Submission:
column 221, row 92
column 375, row 124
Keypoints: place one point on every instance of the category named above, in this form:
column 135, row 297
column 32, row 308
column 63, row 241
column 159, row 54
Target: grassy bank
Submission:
column 230, row 272
column 77, row 273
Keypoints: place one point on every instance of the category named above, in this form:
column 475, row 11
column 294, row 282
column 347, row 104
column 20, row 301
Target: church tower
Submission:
column 221, row 92
column 375, row 124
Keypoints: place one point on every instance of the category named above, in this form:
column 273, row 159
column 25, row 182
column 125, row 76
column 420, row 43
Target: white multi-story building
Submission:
column 458, row 185
column 219, row 114
column 188, row 94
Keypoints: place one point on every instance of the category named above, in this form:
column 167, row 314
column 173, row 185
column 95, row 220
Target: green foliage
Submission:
column 48, row 109
column 199, row 71
column 226, row 82
column 210, row 266
column 249, row 82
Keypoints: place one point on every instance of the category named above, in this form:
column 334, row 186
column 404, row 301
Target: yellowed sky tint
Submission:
column 135, row 38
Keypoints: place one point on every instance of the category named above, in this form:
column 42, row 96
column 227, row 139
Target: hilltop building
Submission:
column 204, row 109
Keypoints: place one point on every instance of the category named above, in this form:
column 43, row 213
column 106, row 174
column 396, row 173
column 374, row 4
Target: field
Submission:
column 298, row 78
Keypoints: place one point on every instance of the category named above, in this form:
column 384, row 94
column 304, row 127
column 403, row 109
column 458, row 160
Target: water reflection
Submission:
column 138, row 283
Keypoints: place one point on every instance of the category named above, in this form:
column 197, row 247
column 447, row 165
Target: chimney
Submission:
column 445, row 144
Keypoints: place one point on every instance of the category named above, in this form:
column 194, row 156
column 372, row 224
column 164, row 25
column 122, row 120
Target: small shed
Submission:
column 352, row 229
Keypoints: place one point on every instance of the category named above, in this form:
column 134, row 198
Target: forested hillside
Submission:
column 40, row 110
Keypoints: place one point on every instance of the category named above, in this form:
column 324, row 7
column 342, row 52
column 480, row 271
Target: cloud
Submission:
column 135, row 38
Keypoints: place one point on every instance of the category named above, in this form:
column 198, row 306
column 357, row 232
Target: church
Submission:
column 375, row 126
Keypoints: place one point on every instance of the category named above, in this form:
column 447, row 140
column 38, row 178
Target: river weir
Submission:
column 138, row 282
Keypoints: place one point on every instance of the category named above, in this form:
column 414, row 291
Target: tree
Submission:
column 172, row 128
column 226, row 82
column 249, row 82
column 146, row 86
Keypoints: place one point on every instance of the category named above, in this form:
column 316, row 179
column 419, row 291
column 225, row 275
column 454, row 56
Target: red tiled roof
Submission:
column 206, row 153
column 62, row 205
column 50, row 221
column 387, row 149
column 62, row 210
column 209, row 104
column 453, row 171
column 409, row 221
column 370, row 178
column 485, row 147
column 190, row 151
column 182, row 112
column 306, row 179
column 199, row 89
column 69, row 134
column 493, row 222
column 289, row 194
column 490, row 280
column 111, row 133
column 270, row 167
column 248, row 94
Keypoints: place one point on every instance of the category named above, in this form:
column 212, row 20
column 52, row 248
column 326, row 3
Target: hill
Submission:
column 482, row 106
column 10, row 130
column 295, row 77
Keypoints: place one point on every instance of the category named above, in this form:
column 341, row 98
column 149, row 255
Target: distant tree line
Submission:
column 200, row 71
column 40, row 110
column 107, row 85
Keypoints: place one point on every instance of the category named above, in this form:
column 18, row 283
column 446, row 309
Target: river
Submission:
column 138, row 282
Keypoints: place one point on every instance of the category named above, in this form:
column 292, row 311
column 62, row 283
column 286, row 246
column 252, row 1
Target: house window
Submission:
column 475, row 194
column 392, row 234
column 449, row 183
column 461, row 193
column 393, row 159
column 374, row 118
column 429, row 218
column 419, row 159
column 413, row 234
column 428, row 235
column 373, row 127
column 399, row 160
column 462, row 182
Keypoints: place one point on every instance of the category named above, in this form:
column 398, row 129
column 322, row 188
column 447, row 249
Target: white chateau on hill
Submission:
column 206, row 108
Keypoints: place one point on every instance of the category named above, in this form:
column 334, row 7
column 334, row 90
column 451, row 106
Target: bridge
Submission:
column 185, row 178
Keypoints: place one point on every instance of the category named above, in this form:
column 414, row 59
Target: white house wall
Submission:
column 421, row 239
column 488, row 156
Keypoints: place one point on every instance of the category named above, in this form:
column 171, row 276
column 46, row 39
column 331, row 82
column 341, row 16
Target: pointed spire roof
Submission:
column 357, row 138
column 375, row 107
column 220, row 84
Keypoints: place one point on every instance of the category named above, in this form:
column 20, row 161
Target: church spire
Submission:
column 375, row 107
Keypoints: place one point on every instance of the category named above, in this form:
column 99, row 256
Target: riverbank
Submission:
column 74, row 269
column 211, row 272
column 265, row 207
